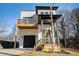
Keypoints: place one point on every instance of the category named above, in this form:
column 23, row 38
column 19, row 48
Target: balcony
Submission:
column 47, row 19
column 28, row 23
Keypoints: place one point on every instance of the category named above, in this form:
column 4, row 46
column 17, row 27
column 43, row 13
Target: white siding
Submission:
column 27, row 13
column 26, row 32
column 39, row 11
column 39, row 30
column 29, row 31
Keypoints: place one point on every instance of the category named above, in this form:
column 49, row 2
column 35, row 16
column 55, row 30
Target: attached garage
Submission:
column 29, row 41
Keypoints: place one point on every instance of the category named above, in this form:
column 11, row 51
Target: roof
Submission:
column 46, row 7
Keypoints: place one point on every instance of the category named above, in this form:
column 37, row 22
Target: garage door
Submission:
column 29, row 41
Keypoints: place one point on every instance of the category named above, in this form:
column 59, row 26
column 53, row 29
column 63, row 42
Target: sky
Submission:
column 11, row 11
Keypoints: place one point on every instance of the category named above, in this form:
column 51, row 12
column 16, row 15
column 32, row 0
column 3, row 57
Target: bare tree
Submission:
column 75, row 12
column 67, row 23
column 3, row 28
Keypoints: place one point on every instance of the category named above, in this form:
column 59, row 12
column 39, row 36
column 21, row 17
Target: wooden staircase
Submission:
column 40, row 44
column 48, row 47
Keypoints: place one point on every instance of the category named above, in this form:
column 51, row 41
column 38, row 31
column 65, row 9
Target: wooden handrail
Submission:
column 40, row 40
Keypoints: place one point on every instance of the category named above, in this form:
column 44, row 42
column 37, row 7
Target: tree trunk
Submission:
column 64, row 37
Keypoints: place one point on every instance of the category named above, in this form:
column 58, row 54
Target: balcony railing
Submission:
column 27, row 21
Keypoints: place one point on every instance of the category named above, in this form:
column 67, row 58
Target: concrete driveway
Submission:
column 11, row 52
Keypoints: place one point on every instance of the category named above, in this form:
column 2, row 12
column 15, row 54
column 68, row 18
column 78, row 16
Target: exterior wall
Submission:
column 29, row 31
column 39, row 30
column 25, row 32
column 27, row 13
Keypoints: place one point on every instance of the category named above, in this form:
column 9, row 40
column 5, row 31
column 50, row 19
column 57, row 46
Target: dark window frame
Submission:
column 46, row 13
column 42, row 13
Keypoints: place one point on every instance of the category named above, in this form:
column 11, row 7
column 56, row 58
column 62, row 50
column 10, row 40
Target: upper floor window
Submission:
column 46, row 13
column 42, row 13
column 52, row 13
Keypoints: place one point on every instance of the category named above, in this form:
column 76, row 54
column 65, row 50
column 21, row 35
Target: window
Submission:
column 52, row 13
column 46, row 13
column 42, row 13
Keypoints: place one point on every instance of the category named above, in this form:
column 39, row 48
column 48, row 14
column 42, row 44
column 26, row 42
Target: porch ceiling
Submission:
column 27, row 26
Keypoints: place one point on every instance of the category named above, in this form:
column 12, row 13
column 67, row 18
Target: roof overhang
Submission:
column 27, row 26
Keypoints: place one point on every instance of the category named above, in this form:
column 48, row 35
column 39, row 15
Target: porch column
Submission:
column 20, row 39
column 42, row 30
column 21, row 42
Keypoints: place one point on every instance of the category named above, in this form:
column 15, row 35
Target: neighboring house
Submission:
column 32, row 24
